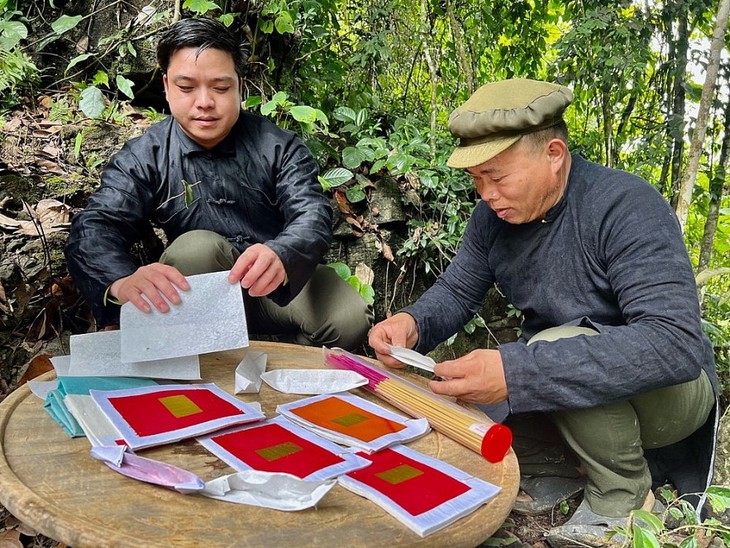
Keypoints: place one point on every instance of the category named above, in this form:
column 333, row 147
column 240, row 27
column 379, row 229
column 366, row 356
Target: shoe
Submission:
column 540, row 494
column 586, row 528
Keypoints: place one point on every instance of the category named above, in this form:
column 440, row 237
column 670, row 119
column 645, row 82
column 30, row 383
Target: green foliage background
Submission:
column 370, row 86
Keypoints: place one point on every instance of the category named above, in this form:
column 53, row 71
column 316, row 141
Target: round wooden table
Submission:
column 51, row 483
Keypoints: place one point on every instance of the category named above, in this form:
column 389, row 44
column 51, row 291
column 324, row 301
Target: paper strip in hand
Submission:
column 412, row 358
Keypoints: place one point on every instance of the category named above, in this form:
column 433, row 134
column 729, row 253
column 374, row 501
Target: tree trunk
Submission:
column 607, row 126
column 698, row 137
column 676, row 115
column 433, row 74
column 457, row 34
column 717, row 188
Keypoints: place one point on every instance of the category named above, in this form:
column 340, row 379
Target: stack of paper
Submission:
column 422, row 492
column 353, row 421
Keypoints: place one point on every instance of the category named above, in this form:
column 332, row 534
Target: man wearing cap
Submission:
column 611, row 352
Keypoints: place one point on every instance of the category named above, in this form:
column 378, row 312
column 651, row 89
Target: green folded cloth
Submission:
column 55, row 407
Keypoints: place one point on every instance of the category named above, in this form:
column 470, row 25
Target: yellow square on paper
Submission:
column 399, row 474
column 278, row 451
column 350, row 419
column 180, row 406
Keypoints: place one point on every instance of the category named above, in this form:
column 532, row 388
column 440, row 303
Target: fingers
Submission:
column 398, row 330
column 259, row 270
column 157, row 284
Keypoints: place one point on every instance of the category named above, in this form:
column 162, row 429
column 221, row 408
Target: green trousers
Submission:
column 609, row 440
column 328, row 311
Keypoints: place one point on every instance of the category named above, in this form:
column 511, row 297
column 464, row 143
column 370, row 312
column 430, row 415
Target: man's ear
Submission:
column 164, row 82
column 557, row 151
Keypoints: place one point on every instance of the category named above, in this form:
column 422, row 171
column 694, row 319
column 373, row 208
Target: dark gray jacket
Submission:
column 259, row 185
column 609, row 254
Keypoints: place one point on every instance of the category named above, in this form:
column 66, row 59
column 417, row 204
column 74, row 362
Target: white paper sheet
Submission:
column 412, row 358
column 268, row 490
column 313, row 381
column 249, row 371
column 41, row 389
column 98, row 428
column 61, row 364
column 210, row 318
column 99, row 355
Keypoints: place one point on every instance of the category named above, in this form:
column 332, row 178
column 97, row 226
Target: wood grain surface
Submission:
column 50, row 482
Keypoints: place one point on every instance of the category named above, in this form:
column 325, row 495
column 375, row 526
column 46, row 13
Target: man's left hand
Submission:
column 477, row 377
column 259, row 270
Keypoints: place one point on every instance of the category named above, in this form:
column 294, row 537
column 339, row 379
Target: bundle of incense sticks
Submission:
column 478, row 433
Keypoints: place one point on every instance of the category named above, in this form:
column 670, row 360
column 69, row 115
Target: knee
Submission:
column 200, row 251
column 346, row 328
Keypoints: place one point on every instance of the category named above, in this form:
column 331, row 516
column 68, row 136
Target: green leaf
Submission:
column 227, row 19
column 252, row 101
column 65, row 23
column 361, row 117
column 343, row 271
column 689, row 542
column 131, row 50
column 77, row 144
column 337, row 176
column 11, row 33
column 284, row 23
column 354, row 283
column 650, row 520
column 92, row 102
column 101, row 78
column 352, row 157
column 266, row 26
column 76, row 60
column 269, row 107
column 200, row 6
column 303, row 113
column 345, row 114
column 355, row 195
column 719, row 498
column 125, row 86
column 367, row 293
column 644, row 539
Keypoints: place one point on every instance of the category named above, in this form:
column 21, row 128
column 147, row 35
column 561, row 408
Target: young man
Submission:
column 611, row 352
column 231, row 192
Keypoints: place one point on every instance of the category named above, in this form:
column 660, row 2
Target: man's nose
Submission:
column 487, row 192
column 204, row 99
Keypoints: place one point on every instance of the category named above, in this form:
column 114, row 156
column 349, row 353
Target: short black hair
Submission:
column 201, row 33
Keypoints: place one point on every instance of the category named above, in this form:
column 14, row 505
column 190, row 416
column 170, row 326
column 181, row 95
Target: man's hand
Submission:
column 259, row 269
column 477, row 377
column 153, row 282
column 398, row 330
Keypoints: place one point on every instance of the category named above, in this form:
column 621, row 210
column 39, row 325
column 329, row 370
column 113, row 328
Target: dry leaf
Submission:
column 364, row 273
column 38, row 365
column 10, row 539
column 387, row 251
column 5, row 306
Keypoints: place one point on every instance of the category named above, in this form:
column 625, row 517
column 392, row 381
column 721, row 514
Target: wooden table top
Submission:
column 50, row 482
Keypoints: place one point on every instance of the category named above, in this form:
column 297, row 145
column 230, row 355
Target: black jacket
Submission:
column 259, row 185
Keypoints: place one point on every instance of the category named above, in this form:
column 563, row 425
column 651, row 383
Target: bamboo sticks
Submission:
column 479, row 434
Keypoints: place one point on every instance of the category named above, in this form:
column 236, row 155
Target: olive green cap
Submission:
column 499, row 113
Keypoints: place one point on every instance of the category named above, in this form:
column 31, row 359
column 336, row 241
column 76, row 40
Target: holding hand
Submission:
column 398, row 330
column 259, row 269
column 153, row 282
column 477, row 377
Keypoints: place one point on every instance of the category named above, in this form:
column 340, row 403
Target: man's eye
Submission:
column 222, row 90
column 185, row 89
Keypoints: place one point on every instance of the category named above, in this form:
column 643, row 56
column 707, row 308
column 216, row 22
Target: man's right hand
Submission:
column 398, row 330
column 153, row 282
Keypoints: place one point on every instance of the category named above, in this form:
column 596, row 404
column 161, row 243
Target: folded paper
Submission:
column 422, row 492
column 279, row 445
column 156, row 415
column 353, row 421
column 313, row 381
column 210, row 318
column 268, row 490
column 249, row 371
column 412, row 358
column 148, row 470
